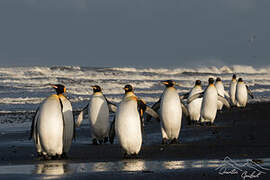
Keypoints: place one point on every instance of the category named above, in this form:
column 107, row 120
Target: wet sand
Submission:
column 237, row 133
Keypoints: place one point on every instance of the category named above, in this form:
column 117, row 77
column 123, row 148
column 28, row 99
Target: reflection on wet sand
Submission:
column 52, row 168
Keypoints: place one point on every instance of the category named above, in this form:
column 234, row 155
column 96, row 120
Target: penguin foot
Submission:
column 174, row 141
column 46, row 157
column 106, row 139
column 164, row 141
column 94, row 142
column 56, row 157
column 130, row 156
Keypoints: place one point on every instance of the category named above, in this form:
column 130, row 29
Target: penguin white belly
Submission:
column 209, row 105
column 194, row 108
column 98, row 113
column 68, row 123
column 233, row 91
column 241, row 95
column 128, row 127
column 171, row 113
column 220, row 91
column 50, row 126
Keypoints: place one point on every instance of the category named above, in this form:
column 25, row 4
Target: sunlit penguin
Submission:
column 170, row 112
column 129, row 121
column 221, row 91
column 233, row 89
column 194, row 108
column 53, row 125
column 209, row 102
column 98, row 114
column 242, row 92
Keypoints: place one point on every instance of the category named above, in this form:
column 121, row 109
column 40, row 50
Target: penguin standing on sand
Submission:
column 242, row 92
column 209, row 102
column 194, row 108
column 129, row 121
column 170, row 112
column 98, row 114
column 233, row 89
column 53, row 125
column 221, row 91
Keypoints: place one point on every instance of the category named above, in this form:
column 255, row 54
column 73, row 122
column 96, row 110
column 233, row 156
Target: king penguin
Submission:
column 233, row 89
column 98, row 114
column 221, row 91
column 129, row 121
column 170, row 112
column 53, row 125
column 242, row 92
column 209, row 102
column 194, row 107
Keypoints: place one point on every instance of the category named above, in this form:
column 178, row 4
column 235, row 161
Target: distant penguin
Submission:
column 98, row 114
column 242, row 92
column 53, row 125
column 194, row 108
column 209, row 102
column 221, row 91
column 170, row 112
column 129, row 121
column 233, row 89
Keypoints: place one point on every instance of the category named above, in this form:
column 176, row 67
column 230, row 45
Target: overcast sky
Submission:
column 143, row 33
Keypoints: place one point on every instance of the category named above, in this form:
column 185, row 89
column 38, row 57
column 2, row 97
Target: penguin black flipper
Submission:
column 33, row 125
column 112, row 107
column 249, row 92
column 224, row 101
column 195, row 96
column 184, row 110
column 80, row 116
column 184, row 96
column 112, row 131
column 155, row 107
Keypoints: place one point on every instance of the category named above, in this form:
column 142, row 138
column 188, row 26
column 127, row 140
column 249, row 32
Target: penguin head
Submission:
column 218, row 79
column 211, row 81
column 234, row 76
column 96, row 88
column 198, row 83
column 168, row 83
column 128, row 88
column 240, row 80
column 59, row 88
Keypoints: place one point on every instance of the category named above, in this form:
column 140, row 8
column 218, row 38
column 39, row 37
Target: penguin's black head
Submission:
column 234, row 76
column 168, row 83
column 218, row 79
column 211, row 81
column 128, row 88
column 240, row 80
column 198, row 82
column 96, row 88
column 59, row 88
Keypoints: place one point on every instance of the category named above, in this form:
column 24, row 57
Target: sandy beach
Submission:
column 239, row 134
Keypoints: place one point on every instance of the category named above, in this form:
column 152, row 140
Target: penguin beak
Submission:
column 53, row 86
column 164, row 82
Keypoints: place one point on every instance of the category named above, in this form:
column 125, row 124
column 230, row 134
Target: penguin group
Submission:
column 53, row 126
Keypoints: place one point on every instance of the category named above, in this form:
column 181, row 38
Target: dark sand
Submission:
column 238, row 133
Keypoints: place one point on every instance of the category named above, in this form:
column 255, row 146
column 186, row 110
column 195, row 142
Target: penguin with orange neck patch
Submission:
column 209, row 103
column 171, row 109
column 98, row 113
column 53, row 125
column 129, row 121
column 242, row 92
